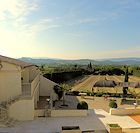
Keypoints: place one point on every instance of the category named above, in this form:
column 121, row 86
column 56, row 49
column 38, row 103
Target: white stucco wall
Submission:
column 33, row 71
column 22, row 110
column 29, row 74
column 34, row 84
column 10, row 81
column 46, row 86
column 36, row 95
column 25, row 75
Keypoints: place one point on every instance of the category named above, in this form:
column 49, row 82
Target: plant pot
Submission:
column 114, row 128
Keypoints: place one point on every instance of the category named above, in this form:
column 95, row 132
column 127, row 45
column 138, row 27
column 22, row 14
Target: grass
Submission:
column 113, row 125
column 87, row 85
column 136, row 73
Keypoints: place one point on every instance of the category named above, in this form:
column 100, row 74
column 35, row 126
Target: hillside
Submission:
column 57, row 62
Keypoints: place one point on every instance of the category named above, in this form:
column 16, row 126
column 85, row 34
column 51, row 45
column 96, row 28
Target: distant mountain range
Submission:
column 57, row 62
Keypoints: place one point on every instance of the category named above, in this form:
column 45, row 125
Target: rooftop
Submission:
column 17, row 62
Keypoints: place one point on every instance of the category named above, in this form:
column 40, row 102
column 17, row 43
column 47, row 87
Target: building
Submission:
column 21, row 89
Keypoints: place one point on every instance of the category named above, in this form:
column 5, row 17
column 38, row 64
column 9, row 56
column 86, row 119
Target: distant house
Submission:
column 21, row 86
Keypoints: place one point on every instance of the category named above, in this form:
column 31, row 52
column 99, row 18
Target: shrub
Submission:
column 82, row 105
column 99, row 94
column 114, row 125
column 59, row 91
column 92, row 94
column 113, row 104
column 75, row 93
column 88, row 93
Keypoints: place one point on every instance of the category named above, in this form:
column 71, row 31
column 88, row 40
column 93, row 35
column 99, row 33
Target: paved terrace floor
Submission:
column 136, row 118
column 123, row 121
column 96, row 120
column 54, row 124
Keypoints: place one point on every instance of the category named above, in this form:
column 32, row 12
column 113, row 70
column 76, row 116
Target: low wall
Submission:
column 71, row 131
column 22, row 110
column 46, row 86
column 61, row 113
column 125, row 111
column 39, row 112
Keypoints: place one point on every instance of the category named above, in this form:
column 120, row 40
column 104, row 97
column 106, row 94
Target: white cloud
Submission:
column 19, row 37
column 15, row 13
column 16, row 38
column 16, row 8
column 88, row 20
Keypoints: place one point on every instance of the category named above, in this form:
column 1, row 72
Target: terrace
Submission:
column 95, row 121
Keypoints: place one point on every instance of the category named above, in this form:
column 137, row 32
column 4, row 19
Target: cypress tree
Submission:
column 90, row 65
column 125, row 80
column 126, row 75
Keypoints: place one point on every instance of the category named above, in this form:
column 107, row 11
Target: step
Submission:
column 2, row 125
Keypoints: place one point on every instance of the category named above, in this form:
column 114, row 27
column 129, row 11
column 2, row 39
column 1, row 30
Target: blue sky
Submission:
column 70, row 29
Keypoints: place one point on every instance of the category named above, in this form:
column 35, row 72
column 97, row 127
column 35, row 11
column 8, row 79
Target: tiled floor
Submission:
column 96, row 120
column 136, row 118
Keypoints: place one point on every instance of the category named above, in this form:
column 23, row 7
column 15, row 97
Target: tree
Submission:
column 125, row 89
column 65, row 88
column 135, row 94
column 90, row 65
column 42, row 68
column 82, row 105
column 59, row 91
column 75, row 66
column 113, row 104
column 126, row 75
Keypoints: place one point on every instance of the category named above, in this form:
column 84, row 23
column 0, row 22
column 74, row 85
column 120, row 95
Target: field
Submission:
column 87, row 84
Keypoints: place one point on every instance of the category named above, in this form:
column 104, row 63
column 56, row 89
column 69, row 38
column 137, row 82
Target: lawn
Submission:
column 87, row 85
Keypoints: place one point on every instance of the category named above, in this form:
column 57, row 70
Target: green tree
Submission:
column 90, row 65
column 82, row 105
column 135, row 94
column 126, row 79
column 42, row 68
column 65, row 88
column 75, row 66
column 59, row 91
column 113, row 104
column 126, row 75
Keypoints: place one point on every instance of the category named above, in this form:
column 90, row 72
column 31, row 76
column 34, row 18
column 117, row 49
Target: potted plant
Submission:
column 82, row 105
column 114, row 128
column 113, row 104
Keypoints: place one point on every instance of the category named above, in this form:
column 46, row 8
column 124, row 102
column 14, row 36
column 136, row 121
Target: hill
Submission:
column 58, row 62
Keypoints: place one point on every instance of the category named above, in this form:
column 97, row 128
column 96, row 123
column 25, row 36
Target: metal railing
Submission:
column 26, row 89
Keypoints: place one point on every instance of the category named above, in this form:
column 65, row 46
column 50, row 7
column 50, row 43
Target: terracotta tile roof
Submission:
column 22, row 64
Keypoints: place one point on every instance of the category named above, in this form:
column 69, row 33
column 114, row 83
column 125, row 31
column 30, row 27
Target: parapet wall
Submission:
column 22, row 110
column 63, row 113
column 125, row 111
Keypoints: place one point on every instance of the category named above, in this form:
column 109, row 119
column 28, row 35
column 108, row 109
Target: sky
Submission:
column 70, row 29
